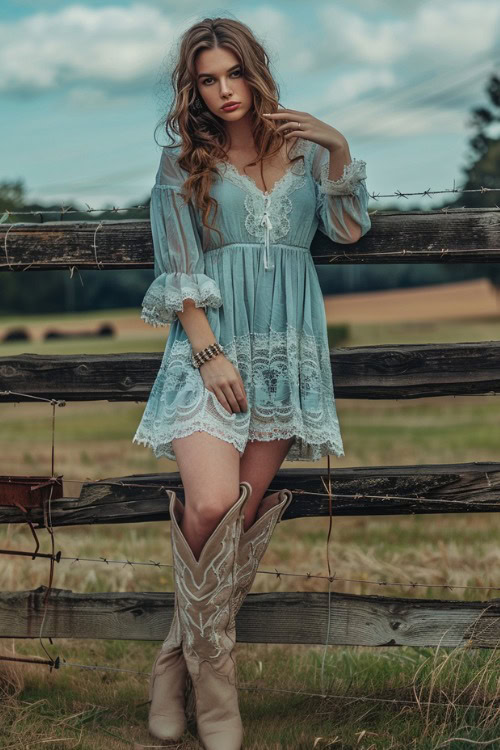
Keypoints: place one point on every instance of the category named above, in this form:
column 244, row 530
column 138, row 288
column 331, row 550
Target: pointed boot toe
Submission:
column 218, row 718
column 167, row 719
column 169, row 684
column 206, row 589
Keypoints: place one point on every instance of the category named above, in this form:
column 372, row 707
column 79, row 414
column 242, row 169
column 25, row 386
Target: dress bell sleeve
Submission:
column 179, row 264
column 338, row 199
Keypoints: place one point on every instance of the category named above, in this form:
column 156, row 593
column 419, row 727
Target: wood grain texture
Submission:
column 384, row 371
column 468, row 235
column 287, row 617
column 372, row 490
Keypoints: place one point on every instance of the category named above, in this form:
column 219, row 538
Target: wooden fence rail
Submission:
column 285, row 617
column 376, row 491
column 382, row 371
column 450, row 236
column 373, row 372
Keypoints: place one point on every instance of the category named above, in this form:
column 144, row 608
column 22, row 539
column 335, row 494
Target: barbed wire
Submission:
column 47, row 513
column 278, row 573
column 59, row 662
column 161, row 487
column 431, row 254
column 330, row 578
column 306, row 693
column 68, row 210
column 296, row 491
column 491, row 703
column 115, row 209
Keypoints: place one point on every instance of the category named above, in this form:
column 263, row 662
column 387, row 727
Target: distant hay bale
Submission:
column 104, row 330
column 17, row 334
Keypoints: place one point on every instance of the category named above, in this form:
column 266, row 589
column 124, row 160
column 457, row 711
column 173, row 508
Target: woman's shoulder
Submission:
column 169, row 171
column 171, row 153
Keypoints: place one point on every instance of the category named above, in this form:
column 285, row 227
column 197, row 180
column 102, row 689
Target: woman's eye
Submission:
column 238, row 72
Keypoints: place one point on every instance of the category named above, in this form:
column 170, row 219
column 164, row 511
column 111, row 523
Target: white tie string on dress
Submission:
column 266, row 223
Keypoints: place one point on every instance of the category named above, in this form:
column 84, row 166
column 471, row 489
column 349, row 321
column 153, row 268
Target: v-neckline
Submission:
column 278, row 182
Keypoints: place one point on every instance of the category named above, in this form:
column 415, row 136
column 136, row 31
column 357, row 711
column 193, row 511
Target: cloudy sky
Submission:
column 80, row 96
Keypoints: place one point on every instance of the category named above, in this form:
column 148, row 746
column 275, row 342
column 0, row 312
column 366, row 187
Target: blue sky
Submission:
column 80, row 99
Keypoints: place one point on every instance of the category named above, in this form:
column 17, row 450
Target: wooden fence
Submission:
column 373, row 372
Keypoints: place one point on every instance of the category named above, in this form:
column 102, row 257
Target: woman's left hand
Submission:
column 310, row 128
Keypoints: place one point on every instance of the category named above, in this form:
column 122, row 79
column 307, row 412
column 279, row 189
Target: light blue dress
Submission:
column 260, row 291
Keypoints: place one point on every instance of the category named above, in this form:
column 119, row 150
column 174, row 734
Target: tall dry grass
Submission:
column 376, row 698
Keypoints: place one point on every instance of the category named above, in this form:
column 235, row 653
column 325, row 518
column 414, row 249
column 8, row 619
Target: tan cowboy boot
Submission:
column 169, row 676
column 169, row 682
column 255, row 540
column 206, row 589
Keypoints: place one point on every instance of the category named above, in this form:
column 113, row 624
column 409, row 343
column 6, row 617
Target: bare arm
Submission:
column 195, row 322
column 219, row 374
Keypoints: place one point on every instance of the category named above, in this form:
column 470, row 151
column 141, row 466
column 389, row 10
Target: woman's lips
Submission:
column 230, row 109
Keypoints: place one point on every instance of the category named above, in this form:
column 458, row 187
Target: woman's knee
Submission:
column 208, row 508
column 210, row 473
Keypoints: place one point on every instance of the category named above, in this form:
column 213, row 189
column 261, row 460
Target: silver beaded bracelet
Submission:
column 205, row 354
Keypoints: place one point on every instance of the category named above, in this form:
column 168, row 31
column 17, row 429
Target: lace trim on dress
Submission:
column 352, row 175
column 287, row 378
column 168, row 291
column 267, row 213
column 299, row 148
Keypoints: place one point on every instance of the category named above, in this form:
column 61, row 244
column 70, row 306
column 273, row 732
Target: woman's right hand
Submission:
column 222, row 378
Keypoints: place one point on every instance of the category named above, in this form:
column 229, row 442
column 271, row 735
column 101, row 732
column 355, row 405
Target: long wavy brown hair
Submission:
column 203, row 137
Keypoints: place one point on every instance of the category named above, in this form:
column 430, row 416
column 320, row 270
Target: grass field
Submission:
column 382, row 698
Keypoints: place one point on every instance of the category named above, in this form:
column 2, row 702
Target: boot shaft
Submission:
column 205, row 587
column 254, row 542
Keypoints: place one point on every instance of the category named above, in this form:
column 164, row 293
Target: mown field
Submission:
column 376, row 698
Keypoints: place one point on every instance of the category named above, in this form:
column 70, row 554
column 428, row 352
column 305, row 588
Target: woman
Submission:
column 245, row 380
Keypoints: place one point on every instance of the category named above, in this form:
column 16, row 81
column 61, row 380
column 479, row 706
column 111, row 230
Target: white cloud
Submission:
column 100, row 50
column 375, row 103
column 349, row 37
column 350, row 86
column 449, row 30
column 275, row 31
column 386, row 123
column 395, row 68
column 93, row 98
column 110, row 45
column 410, row 75
column 455, row 29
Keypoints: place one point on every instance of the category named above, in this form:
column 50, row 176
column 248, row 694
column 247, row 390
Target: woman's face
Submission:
column 220, row 80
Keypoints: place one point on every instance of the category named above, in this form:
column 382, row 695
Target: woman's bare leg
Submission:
column 209, row 469
column 259, row 465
